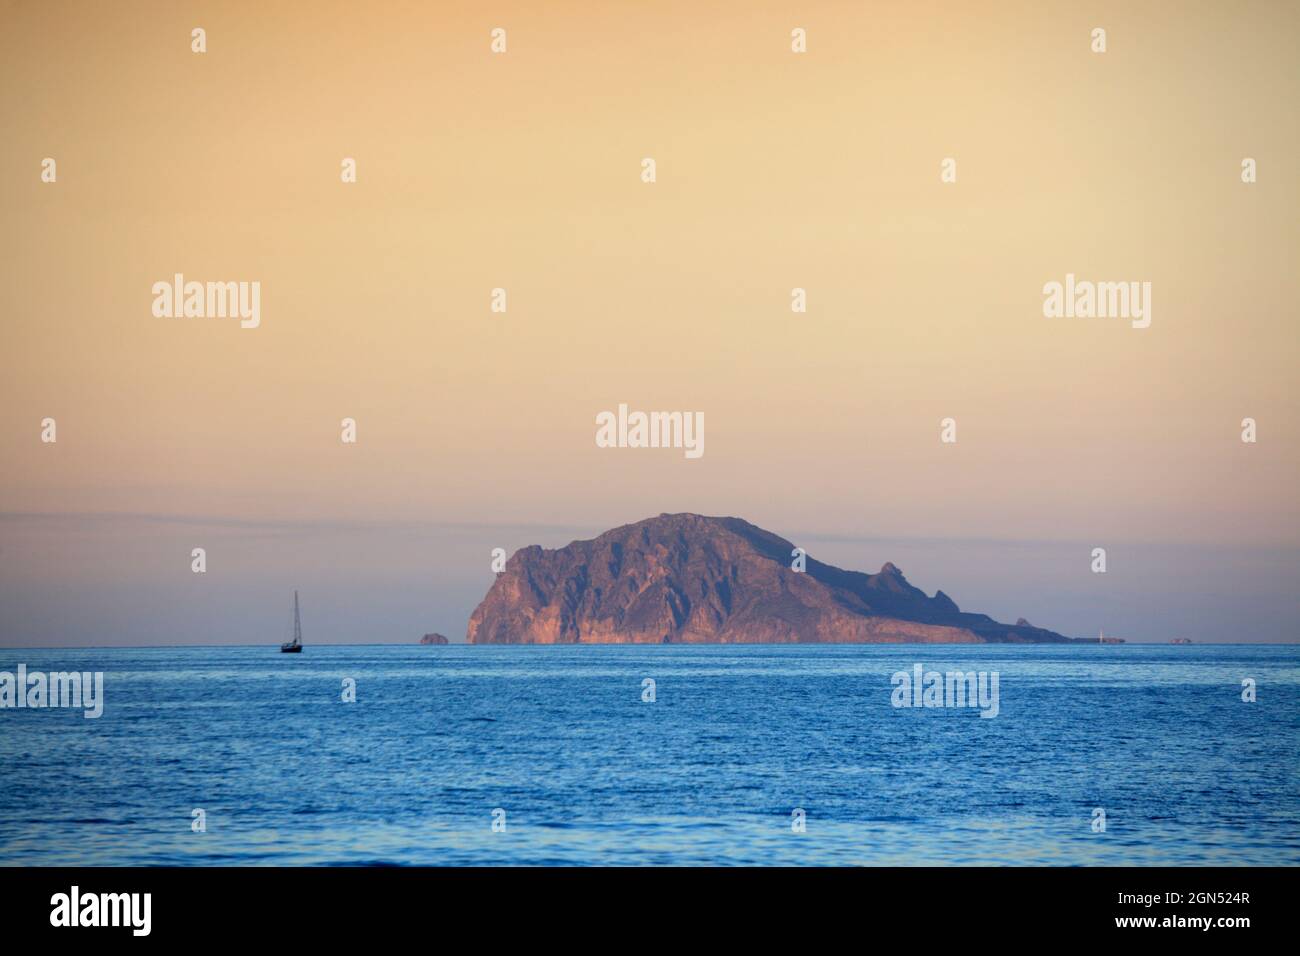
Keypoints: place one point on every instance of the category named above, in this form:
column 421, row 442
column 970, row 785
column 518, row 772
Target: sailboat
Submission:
column 294, row 646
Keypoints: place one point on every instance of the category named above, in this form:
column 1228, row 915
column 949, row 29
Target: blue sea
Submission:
column 558, row 744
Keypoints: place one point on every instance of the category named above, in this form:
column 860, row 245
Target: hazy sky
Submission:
column 522, row 170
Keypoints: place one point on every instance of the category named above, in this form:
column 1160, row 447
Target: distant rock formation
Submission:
column 690, row 579
column 434, row 639
column 1181, row 640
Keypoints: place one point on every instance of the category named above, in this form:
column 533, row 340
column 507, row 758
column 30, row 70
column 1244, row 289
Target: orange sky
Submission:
column 775, row 170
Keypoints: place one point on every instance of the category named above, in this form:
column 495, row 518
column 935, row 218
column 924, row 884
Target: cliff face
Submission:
column 687, row 578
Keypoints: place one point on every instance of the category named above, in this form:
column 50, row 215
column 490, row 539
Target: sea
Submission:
column 747, row 755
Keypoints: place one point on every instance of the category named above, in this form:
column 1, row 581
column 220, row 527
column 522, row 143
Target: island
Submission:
column 434, row 639
column 693, row 579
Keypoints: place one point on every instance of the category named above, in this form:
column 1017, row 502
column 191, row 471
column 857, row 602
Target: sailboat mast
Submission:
column 297, row 624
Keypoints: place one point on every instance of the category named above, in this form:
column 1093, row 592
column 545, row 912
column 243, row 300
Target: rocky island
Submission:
column 691, row 579
column 434, row 639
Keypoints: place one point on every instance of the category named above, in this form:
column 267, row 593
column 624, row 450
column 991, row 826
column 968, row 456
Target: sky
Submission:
column 522, row 170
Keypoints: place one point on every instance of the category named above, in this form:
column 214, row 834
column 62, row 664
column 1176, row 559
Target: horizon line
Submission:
column 1073, row 642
